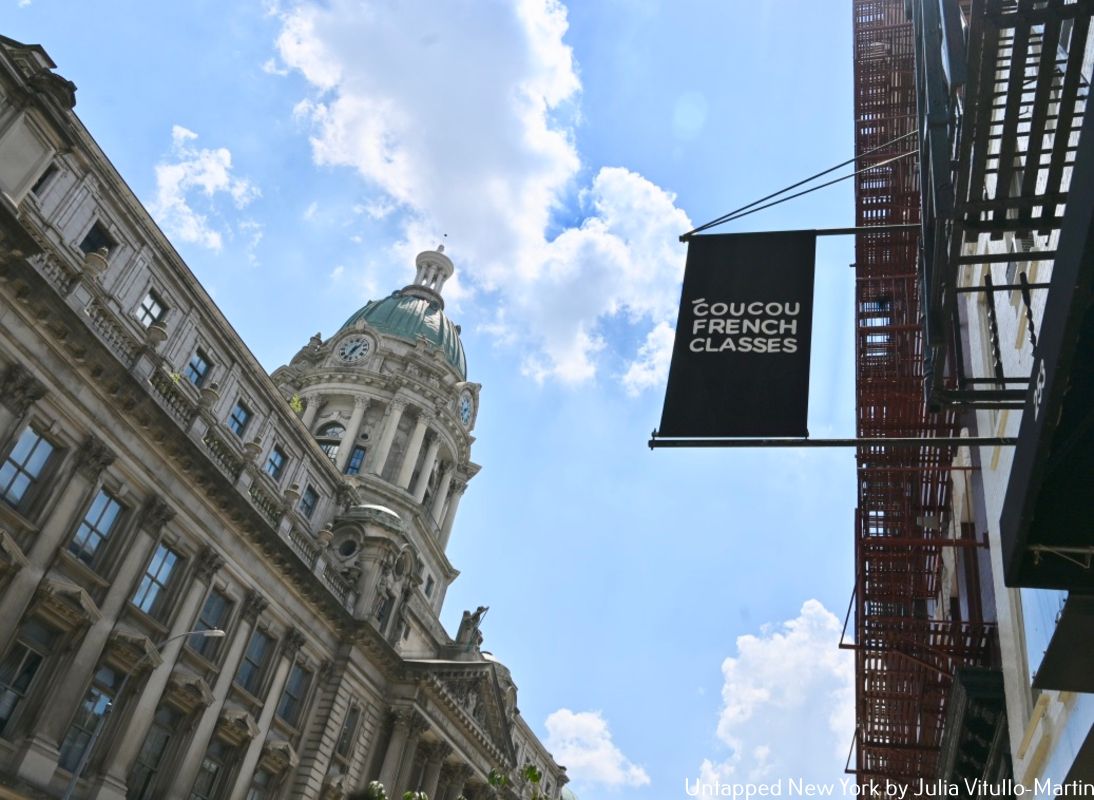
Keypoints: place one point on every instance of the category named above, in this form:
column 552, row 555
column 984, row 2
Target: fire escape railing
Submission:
column 1001, row 96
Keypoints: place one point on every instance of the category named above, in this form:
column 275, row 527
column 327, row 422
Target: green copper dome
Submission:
column 410, row 313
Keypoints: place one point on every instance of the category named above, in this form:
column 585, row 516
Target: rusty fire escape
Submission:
column 907, row 653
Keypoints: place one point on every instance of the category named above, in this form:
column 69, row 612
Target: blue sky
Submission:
column 666, row 614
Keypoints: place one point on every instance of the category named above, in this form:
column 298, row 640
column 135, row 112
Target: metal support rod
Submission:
column 895, row 441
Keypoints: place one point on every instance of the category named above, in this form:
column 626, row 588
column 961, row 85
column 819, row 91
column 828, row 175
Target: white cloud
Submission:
column 787, row 703
column 197, row 175
column 582, row 741
column 271, row 67
column 480, row 142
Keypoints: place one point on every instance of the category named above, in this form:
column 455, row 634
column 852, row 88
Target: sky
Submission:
column 668, row 615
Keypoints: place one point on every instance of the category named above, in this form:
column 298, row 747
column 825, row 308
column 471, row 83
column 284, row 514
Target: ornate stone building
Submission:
column 157, row 481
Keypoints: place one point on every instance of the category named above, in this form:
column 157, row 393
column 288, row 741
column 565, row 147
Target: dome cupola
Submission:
column 417, row 311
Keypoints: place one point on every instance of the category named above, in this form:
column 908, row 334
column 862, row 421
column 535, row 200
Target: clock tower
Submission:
column 387, row 400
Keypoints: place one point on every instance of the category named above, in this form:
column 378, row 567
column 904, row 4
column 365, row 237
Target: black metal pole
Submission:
column 939, row 441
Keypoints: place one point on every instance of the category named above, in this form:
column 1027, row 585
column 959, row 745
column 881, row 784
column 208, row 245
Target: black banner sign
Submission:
column 740, row 362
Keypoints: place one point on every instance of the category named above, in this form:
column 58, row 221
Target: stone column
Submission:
column 458, row 781
column 400, row 732
column 190, row 761
column 39, row 756
column 294, row 640
column 19, row 390
column 90, row 460
column 126, row 746
column 458, row 488
column 315, row 402
column 418, row 726
column 353, row 430
column 434, row 760
column 442, row 493
column 413, row 450
column 379, row 454
column 427, row 468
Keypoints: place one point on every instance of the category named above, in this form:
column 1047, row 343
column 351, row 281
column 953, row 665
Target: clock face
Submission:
column 354, row 349
column 465, row 407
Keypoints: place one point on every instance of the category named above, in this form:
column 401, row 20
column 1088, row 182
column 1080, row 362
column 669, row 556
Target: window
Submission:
column 356, row 459
column 250, row 671
column 96, row 527
column 143, row 776
column 44, row 180
column 214, row 614
column 349, row 729
column 198, row 368
column 24, row 465
column 20, row 666
column 308, row 501
column 330, row 438
column 88, row 717
column 238, row 419
column 383, row 611
column 97, row 238
column 292, row 699
column 261, row 785
column 429, row 585
column 275, row 464
column 213, row 772
column 152, row 590
column 151, row 309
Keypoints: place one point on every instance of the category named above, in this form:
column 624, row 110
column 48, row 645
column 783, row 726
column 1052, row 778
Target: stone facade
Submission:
column 157, row 481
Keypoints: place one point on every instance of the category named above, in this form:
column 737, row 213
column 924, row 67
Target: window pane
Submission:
column 356, row 459
column 96, row 527
column 88, row 717
column 249, row 675
column 308, row 501
column 153, row 586
column 238, row 419
column 198, row 368
column 214, row 614
column 275, row 463
column 23, row 465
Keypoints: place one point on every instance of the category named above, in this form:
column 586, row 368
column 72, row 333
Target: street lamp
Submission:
column 208, row 633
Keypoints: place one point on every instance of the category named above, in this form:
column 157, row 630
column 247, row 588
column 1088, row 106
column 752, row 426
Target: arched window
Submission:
column 330, row 437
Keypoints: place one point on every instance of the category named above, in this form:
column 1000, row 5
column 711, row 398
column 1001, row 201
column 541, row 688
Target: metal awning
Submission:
column 1068, row 663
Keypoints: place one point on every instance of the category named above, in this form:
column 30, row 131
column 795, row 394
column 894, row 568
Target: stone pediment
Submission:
column 64, row 605
column 11, row 557
column 187, row 691
column 129, row 651
column 236, row 726
column 473, row 693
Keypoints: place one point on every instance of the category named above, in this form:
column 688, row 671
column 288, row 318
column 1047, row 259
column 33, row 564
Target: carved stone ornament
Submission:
column 19, row 389
column 253, row 605
column 155, row 514
column 11, row 557
column 335, row 786
column 64, row 605
column 93, row 457
column 410, row 719
column 207, row 564
column 187, row 692
column 294, row 640
column 278, row 756
column 236, row 726
column 132, row 652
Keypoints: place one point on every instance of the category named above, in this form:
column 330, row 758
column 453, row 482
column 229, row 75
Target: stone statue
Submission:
column 469, row 633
